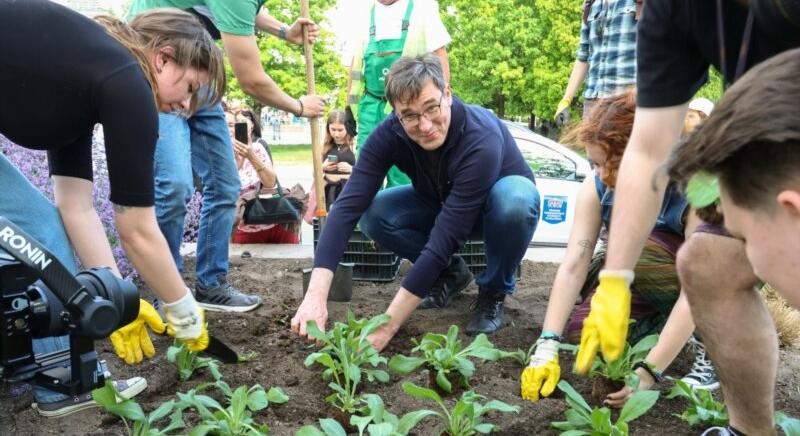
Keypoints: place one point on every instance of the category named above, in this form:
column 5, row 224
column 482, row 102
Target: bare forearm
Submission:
column 400, row 309
column 576, row 78
column 676, row 332
column 636, row 207
column 640, row 185
column 149, row 253
column 268, row 23
column 85, row 231
column 261, row 87
column 566, row 287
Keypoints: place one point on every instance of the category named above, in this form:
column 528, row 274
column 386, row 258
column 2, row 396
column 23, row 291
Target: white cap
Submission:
column 703, row 105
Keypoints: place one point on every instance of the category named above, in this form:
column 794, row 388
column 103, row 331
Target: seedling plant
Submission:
column 189, row 361
column 236, row 419
column 132, row 415
column 585, row 420
column 613, row 376
column 702, row 409
column 466, row 416
column 377, row 421
column 347, row 355
column 446, row 355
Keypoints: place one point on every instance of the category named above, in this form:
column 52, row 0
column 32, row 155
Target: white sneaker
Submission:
column 127, row 389
column 702, row 375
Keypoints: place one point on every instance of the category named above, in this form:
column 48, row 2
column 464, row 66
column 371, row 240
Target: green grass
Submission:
column 291, row 154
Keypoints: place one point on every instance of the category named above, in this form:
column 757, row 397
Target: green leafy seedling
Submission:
column 585, row 420
column 189, row 361
column 377, row 421
column 465, row 418
column 623, row 367
column 136, row 422
column 702, row 409
column 446, row 355
column 347, row 355
column 330, row 427
column 235, row 419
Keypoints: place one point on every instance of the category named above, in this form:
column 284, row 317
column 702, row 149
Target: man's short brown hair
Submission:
column 752, row 139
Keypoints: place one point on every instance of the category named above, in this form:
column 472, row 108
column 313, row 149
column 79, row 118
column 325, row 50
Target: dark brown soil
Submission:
column 281, row 355
column 602, row 386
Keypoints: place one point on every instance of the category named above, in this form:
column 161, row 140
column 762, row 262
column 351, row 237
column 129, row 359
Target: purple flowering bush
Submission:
column 33, row 164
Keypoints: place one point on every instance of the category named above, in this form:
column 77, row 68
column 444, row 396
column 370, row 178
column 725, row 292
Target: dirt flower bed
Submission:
column 280, row 362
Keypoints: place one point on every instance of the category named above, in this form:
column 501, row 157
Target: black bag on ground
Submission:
column 272, row 208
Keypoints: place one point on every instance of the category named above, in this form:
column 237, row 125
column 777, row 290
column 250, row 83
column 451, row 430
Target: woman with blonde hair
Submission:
column 64, row 71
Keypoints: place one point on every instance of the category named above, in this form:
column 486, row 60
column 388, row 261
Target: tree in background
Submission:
column 492, row 53
column 284, row 62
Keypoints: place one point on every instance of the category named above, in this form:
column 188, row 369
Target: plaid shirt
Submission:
column 608, row 44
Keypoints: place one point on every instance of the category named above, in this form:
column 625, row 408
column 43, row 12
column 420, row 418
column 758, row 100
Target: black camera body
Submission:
column 39, row 297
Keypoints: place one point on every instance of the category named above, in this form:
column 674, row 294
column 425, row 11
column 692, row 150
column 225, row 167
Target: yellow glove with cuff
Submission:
column 543, row 372
column 606, row 327
column 131, row 342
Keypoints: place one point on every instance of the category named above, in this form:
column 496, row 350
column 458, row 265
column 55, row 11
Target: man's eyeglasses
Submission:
column 431, row 112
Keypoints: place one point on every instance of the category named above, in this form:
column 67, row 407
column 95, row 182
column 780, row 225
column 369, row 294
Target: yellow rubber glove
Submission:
column 606, row 327
column 131, row 342
column 187, row 322
column 542, row 374
column 562, row 112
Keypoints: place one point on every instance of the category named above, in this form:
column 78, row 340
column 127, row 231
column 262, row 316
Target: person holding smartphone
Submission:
column 255, row 167
column 338, row 155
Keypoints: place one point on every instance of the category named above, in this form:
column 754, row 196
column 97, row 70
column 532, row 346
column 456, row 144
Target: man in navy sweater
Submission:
column 469, row 181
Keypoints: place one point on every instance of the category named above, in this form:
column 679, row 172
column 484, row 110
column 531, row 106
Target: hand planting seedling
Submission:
column 613, row 376
column 131, row 412
column 446, row 357
column 189, row 361
column 465, row 418
column 702, row 409
column 585, row 420
column 377, row 422
column 346, row 355
column 237, row 418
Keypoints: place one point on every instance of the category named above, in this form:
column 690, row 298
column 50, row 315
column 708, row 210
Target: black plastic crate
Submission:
column 371, row 262
column 474, row 256
column 376, row 273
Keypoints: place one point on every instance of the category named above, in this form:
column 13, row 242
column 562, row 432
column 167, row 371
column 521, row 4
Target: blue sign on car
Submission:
column 555, row 209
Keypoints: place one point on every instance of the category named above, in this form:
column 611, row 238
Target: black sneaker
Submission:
column 702, row 375
column 454, row 279
column 225, row 298
column 487, row 314
column 127, row 389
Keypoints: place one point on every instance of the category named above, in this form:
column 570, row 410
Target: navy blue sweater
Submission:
column 477, row 152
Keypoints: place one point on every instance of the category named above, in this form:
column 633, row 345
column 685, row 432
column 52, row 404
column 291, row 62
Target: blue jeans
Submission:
column 30, row 210
column 401, row 220
column 202, row 143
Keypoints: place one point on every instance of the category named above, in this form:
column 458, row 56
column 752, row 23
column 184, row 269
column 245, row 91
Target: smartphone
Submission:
column 333, row 158
column 240, row 132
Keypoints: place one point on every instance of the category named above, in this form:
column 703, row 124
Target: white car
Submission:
column 559, row 172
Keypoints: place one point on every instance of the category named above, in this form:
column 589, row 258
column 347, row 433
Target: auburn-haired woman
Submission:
column 657, row 303
column 60, row 74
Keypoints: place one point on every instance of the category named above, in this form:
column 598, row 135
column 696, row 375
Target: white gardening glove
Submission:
column 187, row 322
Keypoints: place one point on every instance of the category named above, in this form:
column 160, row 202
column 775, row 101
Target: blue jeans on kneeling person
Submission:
column 400, row 219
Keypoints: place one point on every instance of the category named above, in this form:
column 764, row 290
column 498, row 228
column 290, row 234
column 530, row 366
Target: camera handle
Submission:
column 85, row 313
